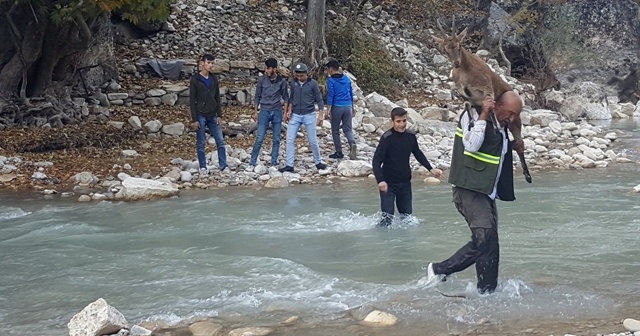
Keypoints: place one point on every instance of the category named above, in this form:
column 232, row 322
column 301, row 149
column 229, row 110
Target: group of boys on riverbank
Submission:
column 481, row 169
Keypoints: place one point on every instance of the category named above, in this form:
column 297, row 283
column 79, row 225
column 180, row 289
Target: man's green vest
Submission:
column 478, row 171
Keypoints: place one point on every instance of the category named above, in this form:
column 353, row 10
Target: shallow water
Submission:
column 569, row 250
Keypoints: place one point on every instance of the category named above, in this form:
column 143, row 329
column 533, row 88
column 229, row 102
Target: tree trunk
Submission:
column 315, row 45
column 31, row 46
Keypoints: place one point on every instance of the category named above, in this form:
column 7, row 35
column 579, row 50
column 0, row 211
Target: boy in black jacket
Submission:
column 391, row 166
column 206, row 111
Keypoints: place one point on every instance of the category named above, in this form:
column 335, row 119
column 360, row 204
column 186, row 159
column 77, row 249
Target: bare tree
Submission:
column 315, row 45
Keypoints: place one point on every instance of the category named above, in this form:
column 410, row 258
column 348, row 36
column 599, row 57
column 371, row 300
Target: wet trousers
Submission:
column 484, row 249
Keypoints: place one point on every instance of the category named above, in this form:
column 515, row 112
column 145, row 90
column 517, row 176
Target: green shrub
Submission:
column 367, row 59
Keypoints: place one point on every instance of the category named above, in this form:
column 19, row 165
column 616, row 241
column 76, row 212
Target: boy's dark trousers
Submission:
column 398, row 193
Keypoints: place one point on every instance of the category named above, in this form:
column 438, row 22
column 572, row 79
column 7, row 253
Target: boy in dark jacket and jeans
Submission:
column 391, row 166
column 340, row 109
column 204, row 101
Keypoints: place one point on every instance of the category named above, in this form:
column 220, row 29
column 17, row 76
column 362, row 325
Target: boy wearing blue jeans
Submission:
column 304, row 95
column 271, row 91
column 206, row 111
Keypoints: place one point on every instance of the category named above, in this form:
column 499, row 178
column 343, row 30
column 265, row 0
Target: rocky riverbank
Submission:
column 156, row 158
column 135, row 143
column 99, row 318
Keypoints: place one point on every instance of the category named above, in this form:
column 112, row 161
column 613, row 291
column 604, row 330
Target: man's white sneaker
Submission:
column 432, row 278
column 204, row 172
column 250, row 168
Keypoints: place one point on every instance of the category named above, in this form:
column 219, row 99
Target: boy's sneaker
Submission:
column 225, row 171
column 286, row 169
column 250, row 168
column 336, row 155
column 353, row 151
column 321, row 166
column 432, row 278
column 204, row 172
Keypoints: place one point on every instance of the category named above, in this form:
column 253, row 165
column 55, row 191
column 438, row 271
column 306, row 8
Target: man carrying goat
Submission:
column 480, row 172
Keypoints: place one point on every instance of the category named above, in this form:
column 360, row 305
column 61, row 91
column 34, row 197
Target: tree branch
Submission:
column 85, row 32
column 16, row 38
column 504, row 57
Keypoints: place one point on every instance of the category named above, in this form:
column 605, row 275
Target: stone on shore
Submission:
column 277, row 182
column 134, row 188
column 137, row 330
column 7, row 177
column 255, row 331
column 631, row 324
column 96, row 319
column 205, row 328
column 380, row 318
column 354, row 168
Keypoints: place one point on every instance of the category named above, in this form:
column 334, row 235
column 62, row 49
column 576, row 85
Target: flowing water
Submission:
column 569, row 250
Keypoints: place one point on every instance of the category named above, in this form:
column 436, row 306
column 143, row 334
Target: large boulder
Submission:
column 97, row 319
column 573, row 108
column 379, row 105
column 134, row 188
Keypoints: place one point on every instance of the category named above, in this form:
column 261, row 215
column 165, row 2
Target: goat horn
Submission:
column 453, row 24
column 440, row 27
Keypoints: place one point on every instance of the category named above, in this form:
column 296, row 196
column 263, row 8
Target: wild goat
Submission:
column 475, row 81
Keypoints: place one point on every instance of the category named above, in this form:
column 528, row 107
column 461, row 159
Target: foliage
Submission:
column 554, row 42
column 66, row 11
column 367, row 59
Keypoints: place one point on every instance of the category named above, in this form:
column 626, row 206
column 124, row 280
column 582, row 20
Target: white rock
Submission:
column 129, row 153
column 134, row 188
column 186, row 176
column 84, row 198
column 381, row 318
column 98, row 318
column 631, row 324
column 153, row 126
column 205, row 328
column 253, row 331
column 174, row 129
column 135, row 122
column 38, row 176
column 354, row 168
column 137, row 330
column 85, row 178
column 432, row 180
column 555, row 126
column 277, row 182
column 123, row 176
column 99, row 197
column 156, row 93
column 7, row 177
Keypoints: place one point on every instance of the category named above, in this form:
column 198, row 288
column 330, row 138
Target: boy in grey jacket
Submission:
column 271, row 91
column 304, row 94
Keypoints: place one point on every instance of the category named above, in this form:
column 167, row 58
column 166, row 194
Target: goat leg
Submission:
column 525, row 169
column 516, row 129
